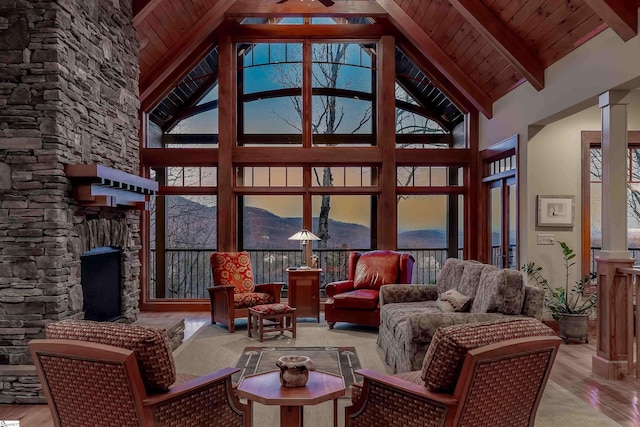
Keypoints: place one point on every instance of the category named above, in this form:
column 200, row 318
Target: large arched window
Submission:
column 302, row 149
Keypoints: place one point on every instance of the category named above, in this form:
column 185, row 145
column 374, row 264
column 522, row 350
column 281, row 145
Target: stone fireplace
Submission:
column 68, row 95
column 100, row 279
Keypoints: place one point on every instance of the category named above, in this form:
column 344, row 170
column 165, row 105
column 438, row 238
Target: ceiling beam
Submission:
column 503, row 40
column 142, row 8
column 187, row 51
column 425, row 108
column 447, row 87
column 431, row 50
column 620, row 15
column 251, row 32
column 275, row 9
column 189, row 108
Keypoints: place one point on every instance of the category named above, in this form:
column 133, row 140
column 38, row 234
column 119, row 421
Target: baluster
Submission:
column 636, row 290
column 629, row 282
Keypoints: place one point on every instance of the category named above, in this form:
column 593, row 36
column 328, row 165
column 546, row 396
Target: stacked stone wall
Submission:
column 68, row 94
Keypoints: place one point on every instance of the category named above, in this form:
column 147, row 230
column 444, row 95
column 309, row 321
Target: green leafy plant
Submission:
column 564, row 299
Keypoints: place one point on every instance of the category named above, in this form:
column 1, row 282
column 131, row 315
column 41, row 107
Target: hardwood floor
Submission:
column 619, row 400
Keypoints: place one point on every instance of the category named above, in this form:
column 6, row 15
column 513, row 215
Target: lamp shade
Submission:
column 304, row 235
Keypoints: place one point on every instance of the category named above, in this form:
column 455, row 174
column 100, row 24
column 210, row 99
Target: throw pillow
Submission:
column 445, row 306
column 458, row 301
column 500, row 291
column 470, row 279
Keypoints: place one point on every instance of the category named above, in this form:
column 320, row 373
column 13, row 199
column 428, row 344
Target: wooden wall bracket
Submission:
column 97, row 185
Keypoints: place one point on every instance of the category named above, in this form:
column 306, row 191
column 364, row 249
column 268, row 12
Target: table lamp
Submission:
column 304, row 236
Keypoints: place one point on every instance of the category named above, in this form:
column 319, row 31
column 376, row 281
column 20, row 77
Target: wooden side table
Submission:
column 265, row 388
column 304, row 292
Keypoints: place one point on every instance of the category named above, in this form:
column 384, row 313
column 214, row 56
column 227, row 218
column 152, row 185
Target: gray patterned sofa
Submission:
column 409, row 316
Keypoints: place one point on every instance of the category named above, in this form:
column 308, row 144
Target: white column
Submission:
column 614, row 176
column 610, row 358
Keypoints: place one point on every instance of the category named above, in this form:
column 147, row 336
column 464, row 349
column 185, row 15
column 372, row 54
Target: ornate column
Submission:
column 610, row 358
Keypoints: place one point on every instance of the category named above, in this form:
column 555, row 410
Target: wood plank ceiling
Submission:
column 476, row 51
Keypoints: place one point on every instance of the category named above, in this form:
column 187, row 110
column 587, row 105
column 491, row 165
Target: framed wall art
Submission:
column 555, row 211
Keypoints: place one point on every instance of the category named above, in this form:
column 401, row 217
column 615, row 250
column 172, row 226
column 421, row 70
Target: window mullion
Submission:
column 306, row 97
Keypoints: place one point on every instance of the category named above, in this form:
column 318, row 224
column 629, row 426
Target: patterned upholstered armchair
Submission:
column 112, row 374
column 234, row 290
column 355, row 300
column 476, row 374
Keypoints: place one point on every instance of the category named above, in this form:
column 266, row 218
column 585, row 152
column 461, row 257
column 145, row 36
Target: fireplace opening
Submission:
column 101, row 282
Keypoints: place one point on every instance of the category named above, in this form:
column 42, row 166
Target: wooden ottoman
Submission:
column 271, row 318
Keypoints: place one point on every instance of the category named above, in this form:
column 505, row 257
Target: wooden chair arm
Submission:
column 273, row 289
column 202, row 398
column 222, row 289
column 396, row 402
column 407, row 387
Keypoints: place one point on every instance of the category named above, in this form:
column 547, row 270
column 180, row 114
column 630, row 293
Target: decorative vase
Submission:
column 574, row 327
column 294, row 370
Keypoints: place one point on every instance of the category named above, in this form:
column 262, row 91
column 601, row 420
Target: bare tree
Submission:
column 633, row 195
column 188, row 226
column 408, row 123
column 329, row 60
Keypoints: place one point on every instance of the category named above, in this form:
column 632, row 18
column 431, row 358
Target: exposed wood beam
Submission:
column 182, row 56
column 387, row 221
column 189, row 138
column 373, row 189
column 505, row 42
column 620, row 15
column 427, row 138
column 187, row 109
column 343, row 9
column 424, row 110
column 142, row 8
column 164, row 157
column 434, row 157
column 318, row 140
column 421, row 190
column 317, row 156
column 431, row 50
column 251, row 32
column 186, row 113
column 437, row 78
column 425, row 106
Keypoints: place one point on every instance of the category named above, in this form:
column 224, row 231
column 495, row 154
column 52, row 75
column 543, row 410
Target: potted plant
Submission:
column 568, row 306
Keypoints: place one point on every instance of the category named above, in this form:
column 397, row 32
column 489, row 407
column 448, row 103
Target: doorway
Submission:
column 500, row 190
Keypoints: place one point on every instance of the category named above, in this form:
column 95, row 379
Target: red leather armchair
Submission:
column 356, row 300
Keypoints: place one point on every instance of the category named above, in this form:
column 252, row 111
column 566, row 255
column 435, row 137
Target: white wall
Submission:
column 549, row 123
column 554, row 167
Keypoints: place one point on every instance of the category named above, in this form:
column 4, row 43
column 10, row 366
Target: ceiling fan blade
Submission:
column 326, row 3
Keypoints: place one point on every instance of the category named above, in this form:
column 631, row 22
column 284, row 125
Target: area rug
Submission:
column 341, row 361
column 213, row 347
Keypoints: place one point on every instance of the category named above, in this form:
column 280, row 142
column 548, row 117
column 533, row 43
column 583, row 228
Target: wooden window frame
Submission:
column 384, row 155
column 506, row 148
column 589, row 140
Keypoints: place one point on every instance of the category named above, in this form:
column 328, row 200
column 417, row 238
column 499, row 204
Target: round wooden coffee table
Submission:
column 265, row 388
